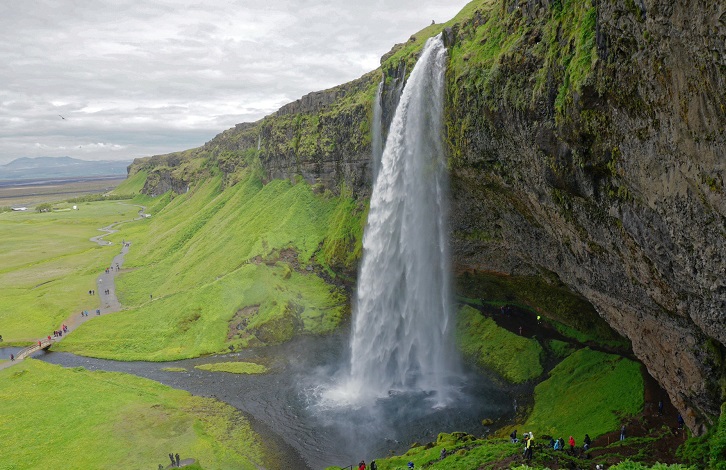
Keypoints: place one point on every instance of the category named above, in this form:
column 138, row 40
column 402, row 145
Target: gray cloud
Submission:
column 135, row 78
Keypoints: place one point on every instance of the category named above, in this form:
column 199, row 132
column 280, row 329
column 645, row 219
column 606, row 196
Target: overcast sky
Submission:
column 136, row 78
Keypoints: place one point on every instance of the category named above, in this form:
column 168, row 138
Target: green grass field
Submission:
column 48, row 264
column 72, row 418
column 588, row 392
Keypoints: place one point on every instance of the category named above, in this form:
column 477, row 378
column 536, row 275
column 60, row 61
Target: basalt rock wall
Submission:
column 617, row 188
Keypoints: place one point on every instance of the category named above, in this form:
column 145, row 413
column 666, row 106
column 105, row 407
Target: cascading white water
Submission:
column 402, row 324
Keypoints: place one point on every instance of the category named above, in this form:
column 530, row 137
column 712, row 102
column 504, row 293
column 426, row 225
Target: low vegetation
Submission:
column 234, row 367
column 64, row 418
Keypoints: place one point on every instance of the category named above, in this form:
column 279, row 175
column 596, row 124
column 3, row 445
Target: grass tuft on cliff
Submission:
column 63, row 418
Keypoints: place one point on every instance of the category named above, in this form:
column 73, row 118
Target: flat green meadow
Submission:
column 60, row 418
column 48, row 265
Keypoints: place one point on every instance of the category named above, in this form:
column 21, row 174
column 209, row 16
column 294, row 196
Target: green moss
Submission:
column 234, row 367
column 514, row 357
column 560, row 349
column 588, row 392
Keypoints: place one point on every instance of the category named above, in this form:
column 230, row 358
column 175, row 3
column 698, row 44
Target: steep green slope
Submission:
column 220, row 268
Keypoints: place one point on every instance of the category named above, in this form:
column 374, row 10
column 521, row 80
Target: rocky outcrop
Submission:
column 618, row 190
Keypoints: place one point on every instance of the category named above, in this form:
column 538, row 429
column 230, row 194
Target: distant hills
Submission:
column 60, row 167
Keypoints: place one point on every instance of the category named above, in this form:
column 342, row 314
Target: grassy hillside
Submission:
column 48, row 264
column 226, row 267
column 73, row 418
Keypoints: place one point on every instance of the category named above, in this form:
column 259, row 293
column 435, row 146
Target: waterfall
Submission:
column 402, row 320
column 377, row 130
column 259, row 141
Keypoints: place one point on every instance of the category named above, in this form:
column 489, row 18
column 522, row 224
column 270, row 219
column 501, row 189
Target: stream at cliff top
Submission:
column 285, row 402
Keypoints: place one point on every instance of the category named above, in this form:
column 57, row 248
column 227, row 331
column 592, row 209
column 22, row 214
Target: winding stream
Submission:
column 285, row 408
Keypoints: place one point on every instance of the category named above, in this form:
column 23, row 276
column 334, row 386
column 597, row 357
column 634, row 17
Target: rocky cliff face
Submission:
column 586, row 143
column 616, row 188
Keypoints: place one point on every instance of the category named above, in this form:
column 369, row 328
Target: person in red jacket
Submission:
column 362, row 465
column 572, row 445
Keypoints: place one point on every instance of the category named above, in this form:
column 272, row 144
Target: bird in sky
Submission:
column 62, row 117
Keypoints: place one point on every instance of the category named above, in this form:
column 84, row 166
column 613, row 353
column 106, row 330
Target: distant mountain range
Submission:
column 60, row 167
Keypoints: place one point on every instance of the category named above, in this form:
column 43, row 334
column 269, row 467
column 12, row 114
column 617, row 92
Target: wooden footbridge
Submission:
column 42, row 344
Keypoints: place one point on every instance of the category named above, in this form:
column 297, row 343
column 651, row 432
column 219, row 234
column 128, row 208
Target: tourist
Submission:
column 373, row 466
column 513, row 437
column 442, row 456
column 410, row 465
column 553, row 443
column 362, row 465
column 12, row 357
column 681, row 423
column 587, row 441
column 558, row 445
column 171, row 456
column 622, row 433
column 178, row 462
column 561, row 442
column 572, row 445
column 529, row 447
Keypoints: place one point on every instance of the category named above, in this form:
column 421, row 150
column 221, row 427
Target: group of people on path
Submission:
column 555, row 444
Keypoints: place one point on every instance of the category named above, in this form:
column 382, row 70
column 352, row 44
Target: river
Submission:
column 284, row 405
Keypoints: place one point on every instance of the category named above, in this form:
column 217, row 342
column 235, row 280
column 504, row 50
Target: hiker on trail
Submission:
column 513, row 437
column 557, row 445
column 410, row 465
column 12, row 357
column 572, row 445
column 171, row 456
column 373, row 466
column 553, row 442
column 98, row 311
column 681, row 423
column 178, row 462
column 587, row 441
column 442, row 456
column 362, row 465
column 622, row 433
